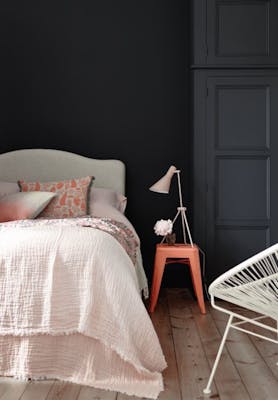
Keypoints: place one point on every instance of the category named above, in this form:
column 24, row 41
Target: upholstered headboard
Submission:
column 50, row 165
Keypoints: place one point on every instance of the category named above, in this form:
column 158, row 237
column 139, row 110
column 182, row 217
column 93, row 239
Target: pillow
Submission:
column 8, row 188
column 109, row 197
column 107, row 211
column 71, row 199
column 23, row 205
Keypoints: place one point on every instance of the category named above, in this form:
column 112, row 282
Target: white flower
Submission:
column 163, row 227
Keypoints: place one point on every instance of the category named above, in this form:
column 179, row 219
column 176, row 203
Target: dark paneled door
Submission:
column 241, row 166
column 241, row 31
column 235, row 32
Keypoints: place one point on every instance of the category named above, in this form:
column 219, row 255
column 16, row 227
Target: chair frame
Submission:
column 235, row 319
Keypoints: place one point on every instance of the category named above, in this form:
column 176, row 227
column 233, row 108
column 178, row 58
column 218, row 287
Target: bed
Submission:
column 64, row 286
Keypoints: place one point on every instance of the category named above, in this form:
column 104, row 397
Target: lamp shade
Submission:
column 163, row 185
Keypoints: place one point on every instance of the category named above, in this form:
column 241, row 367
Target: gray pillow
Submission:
column 8, row 188
column 107, row 197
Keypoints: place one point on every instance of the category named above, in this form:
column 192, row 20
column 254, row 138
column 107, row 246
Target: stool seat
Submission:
column 169, row 254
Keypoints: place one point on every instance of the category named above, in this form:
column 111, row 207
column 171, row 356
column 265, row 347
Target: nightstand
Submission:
column 177, row 253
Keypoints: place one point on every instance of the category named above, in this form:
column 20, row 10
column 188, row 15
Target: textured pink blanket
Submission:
column 117, row 229
column 70, row 308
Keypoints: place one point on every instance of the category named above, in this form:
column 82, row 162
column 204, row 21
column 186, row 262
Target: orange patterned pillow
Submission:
column 71, row 200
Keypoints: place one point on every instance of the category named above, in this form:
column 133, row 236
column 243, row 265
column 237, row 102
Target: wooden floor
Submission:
column 247, row 369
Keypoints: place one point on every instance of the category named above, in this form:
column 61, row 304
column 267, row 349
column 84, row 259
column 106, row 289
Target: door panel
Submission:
column 241, row 167
column 236, row 106
column 235, row 32
column 238, row 243
column 242, row 190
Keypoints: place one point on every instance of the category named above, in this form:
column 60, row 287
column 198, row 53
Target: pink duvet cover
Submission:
column 71, row 308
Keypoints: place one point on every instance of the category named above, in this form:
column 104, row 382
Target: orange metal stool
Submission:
column 185, row 253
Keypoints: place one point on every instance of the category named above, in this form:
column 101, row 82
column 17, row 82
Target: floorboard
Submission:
column 192, row 363
column 161, row 321
column 11, row 389
column 37, row 390
column 122, row 396
column 88, row 393
column 227, row 379
column 247, row 369
column 258, row 379
column 268, row 350
column 63, row 391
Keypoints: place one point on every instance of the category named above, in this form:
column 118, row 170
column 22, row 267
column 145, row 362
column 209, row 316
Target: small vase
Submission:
column 170, row 239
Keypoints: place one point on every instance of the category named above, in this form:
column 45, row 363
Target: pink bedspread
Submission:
column 124, row 235
column 70, row 307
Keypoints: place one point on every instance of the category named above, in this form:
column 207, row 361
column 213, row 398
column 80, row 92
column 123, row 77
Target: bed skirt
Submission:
column 75, row 358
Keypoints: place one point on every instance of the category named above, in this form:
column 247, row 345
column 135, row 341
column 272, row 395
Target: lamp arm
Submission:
column 179, row 186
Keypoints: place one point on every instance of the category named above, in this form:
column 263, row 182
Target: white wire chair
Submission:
column 252, row 285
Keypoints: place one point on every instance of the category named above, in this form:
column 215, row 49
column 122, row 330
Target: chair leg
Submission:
column 159, row 266
column 207, row 390
column 195, row 269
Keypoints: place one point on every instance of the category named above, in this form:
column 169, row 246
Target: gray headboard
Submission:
column 51, row 165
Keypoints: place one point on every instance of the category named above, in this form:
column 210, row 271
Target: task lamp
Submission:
column 163, row 186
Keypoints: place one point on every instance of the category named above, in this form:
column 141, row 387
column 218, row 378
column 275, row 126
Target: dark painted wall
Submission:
column 104, row 79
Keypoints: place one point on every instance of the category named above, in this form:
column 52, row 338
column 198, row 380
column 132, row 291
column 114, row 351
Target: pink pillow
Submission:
column 109, row 197
column 71, row 199
column 23, row 205
column 106, row 211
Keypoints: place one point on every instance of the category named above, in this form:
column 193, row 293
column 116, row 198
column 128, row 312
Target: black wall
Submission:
column 105, row 79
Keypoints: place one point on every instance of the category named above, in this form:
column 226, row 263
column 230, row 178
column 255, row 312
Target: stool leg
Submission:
column 196, row 276
column 159, row 266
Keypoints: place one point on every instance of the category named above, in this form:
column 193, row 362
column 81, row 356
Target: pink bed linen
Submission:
column 70, row 306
